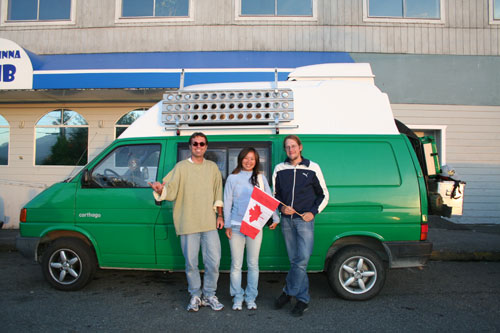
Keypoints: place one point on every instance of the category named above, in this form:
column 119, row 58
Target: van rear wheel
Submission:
column 356, row 273
column 68, row 264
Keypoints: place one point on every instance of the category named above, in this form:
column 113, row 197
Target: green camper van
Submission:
column 381, row 191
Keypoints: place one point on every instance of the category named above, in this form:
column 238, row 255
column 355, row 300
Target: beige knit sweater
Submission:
column 196, row 190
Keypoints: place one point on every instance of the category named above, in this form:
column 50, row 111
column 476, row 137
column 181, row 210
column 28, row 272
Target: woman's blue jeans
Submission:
column 238, row 242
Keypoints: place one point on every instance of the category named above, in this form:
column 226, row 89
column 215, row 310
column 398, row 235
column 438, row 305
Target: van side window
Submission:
column 127, row 167
column 351, row 163
column 225, row 155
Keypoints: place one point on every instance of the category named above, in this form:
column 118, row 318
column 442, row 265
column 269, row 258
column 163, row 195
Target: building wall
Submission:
column 339, row 27
column 21, row 180
column 436, row 79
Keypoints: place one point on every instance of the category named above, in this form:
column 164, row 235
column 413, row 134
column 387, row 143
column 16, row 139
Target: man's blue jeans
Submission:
column 211, row 252
column 299, row 240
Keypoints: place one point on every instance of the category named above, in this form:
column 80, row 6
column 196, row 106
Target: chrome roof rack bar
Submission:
column 271, row 127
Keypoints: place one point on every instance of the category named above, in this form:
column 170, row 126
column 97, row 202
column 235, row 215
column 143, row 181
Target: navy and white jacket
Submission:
column 301, row 187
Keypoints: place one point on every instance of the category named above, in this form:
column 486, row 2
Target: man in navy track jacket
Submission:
column 299, row 184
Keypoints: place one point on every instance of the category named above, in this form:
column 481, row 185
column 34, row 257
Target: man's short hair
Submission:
column 194, row 135
column 292, row 137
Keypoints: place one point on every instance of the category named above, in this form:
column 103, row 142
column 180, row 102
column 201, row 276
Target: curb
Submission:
column 7, row 248
column 446, row 255
column 8, row 240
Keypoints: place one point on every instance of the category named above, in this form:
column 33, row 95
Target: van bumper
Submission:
column 408, row 254
column 27, row 246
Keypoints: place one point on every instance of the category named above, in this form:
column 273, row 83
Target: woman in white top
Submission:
column 237, row 192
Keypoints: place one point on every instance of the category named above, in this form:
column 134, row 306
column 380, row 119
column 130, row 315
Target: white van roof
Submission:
column 356, row 72
column 327, row 99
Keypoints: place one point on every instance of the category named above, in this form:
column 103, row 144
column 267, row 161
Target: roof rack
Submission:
column 251, row 107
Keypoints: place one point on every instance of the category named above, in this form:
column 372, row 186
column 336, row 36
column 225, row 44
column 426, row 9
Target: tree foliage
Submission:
column 70, row 148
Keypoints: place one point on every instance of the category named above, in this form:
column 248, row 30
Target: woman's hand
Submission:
column 273, row 226
column 229, row 233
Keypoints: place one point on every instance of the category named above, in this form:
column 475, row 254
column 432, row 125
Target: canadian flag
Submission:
column 259, row 210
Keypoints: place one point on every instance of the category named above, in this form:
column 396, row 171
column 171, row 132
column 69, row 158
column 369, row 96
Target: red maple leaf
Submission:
column 255, row 213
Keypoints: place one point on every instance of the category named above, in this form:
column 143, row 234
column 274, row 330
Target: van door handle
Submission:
column 158, row 203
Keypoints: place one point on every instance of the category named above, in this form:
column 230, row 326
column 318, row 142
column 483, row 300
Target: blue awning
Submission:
column 163, row 69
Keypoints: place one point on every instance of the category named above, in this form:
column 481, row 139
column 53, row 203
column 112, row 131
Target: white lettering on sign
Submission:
column 16, row 70
column 94, row 215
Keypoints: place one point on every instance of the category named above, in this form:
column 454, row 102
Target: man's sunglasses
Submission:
column 201, row 144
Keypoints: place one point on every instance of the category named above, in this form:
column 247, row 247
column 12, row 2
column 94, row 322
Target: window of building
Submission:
column 61, row 139
column 4, row 141
column 494, row 10
column 438, row 132
column 404, row 10
column 275, row 9
column 124, row 122
column 151, row 10
column 38, row 10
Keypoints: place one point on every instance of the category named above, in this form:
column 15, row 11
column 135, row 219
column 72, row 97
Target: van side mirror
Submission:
column 86, row 177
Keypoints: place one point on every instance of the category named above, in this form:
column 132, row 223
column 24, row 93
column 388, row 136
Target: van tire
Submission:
column 356, row 273
column 68, row 264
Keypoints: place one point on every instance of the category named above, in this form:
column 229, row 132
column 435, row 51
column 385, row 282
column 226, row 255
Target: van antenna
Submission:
column 276, row 79
column 181, row 84
column 79, row 159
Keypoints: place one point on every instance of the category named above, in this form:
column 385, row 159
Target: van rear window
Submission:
column 225, row 155
column 355, row 163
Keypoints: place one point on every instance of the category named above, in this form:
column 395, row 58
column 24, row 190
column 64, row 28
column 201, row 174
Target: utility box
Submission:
column 452, row 193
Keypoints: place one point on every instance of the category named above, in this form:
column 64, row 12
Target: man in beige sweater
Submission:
column 195, row 186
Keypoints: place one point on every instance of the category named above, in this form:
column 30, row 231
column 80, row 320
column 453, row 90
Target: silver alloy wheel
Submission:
column 357, row 274
column 65, row 266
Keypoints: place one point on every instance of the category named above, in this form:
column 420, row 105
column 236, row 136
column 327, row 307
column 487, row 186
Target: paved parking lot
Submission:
column 451, row 296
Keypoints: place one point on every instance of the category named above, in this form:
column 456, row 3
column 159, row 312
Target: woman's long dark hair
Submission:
column 255, row 172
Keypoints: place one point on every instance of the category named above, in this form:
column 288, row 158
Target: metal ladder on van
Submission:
column 205, row 110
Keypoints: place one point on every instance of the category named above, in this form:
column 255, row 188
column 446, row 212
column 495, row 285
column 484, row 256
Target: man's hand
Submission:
column 229, row 233
column 220, row 222
column 157, row 187
column 287, row 210
column 273, row 226
column 308, row 217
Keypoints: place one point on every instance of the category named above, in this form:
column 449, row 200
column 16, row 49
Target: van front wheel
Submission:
column 356, row 273
column 68, row 264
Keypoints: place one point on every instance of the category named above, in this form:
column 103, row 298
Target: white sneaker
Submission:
column 251, row 305
column 212, row 302
column 194, row 304
column 237, row 306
